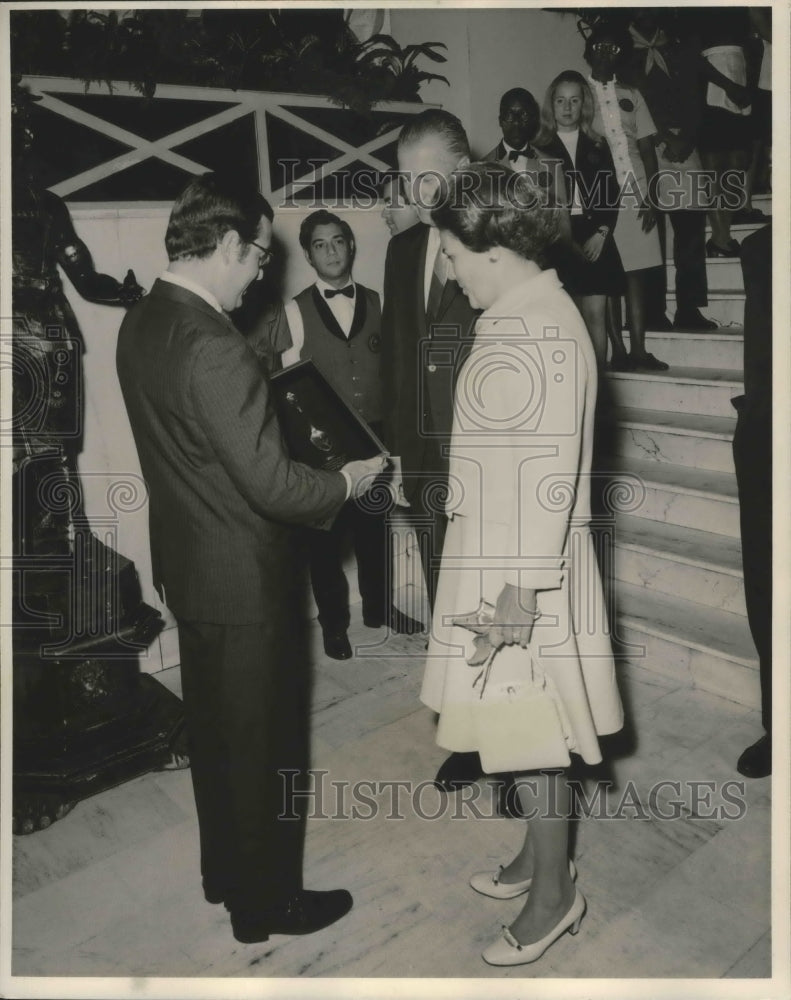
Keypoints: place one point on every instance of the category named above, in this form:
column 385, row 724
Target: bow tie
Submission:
column 348, row 291
column 514, row 154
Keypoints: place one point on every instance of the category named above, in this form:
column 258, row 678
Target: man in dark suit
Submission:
column 427, row 330
column 752, row 457
column 222, row 493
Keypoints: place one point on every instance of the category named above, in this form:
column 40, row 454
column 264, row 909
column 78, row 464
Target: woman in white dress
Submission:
column 519, row 534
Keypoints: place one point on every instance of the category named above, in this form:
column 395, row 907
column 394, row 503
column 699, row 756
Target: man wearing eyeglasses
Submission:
column 222, row 496
column 336, row 322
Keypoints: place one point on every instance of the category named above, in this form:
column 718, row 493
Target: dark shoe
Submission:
column 305, row 913
column 336, row 645
column 660, row 324
column 715, row 250
column 622, row 363
column 458, row 771
column 693, row 320
column 756, row 761
column 648, row 362
column 396, row 621
column 213, row 893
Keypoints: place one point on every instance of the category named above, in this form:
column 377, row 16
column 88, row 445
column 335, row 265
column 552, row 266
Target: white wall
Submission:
column 489, row 51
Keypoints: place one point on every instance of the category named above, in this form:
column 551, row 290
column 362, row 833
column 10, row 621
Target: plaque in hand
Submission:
column 318, row 426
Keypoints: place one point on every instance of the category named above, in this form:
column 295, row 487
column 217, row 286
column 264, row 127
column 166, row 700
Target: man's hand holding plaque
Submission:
column 362, row 474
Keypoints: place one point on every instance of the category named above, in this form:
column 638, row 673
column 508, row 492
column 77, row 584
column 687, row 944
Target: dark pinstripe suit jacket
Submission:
column 222, row 489
column 420, row 360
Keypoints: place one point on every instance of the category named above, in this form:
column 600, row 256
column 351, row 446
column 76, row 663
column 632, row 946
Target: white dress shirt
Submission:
column 341, row 306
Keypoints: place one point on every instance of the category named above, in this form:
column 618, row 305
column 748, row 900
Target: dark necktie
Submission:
column 437, row 286
column 514, row 154
column 348, row 291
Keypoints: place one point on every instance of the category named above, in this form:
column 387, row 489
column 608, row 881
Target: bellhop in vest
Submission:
column 349, row 359
column 337, row 324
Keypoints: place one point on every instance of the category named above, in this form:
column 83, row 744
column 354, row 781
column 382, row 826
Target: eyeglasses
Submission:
column 266, row 254
column 612, row 47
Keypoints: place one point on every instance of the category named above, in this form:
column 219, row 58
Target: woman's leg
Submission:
column 614, row 325
column 635, row 311
column 545, row 799
column 594, row 312
column 716, row 161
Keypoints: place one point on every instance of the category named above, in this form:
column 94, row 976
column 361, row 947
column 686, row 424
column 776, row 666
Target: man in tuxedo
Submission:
column 519, row 120
column 427, row 331
column 336, row 322
column 222, row 494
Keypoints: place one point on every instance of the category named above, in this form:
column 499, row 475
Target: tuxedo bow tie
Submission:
column 514, row 154
column 348, row 291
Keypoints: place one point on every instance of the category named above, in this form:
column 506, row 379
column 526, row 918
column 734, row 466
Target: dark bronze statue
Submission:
column 85, row 718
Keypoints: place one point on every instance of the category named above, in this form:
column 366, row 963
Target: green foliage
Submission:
column 305, row 51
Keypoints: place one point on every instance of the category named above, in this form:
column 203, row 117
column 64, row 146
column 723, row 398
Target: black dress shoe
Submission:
column 458, row 771
column 693, row 320
column 396, row 621
column 713, row 249
column 647, row 362
column 756, row 761
column 305, row 913
column 336, row 645
column 213, row 893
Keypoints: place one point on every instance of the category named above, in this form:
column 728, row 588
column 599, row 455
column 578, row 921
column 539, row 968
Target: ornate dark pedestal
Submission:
column 85, row 717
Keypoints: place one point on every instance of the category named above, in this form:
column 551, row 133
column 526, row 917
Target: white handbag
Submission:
column 519, row 721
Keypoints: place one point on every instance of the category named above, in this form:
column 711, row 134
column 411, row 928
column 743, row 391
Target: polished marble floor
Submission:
column 677, row 879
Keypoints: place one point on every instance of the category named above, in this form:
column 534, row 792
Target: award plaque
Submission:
column 318, row 426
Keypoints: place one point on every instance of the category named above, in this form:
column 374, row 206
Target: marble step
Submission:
column 739, row 232
column 696, row 566
column 703, row 648
column 688, row 439
column 723, row 348
column 680, row 390
column 690, row 498
column 721, row 272
column 725, row 306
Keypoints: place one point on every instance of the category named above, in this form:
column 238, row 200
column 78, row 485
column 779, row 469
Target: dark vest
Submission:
column 351, row 365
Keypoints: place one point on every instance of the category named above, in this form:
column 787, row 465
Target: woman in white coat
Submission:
column 519, row 535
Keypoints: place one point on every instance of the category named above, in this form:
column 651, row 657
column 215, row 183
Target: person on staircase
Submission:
column 594, row 271
column 726, row 130
column 336, row 322
column 666, row 70
column 752, row 457
column 623, row 118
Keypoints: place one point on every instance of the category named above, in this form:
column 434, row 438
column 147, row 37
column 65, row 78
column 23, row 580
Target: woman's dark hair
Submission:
column 323, row 218
column 210, row 206
column 489, row 205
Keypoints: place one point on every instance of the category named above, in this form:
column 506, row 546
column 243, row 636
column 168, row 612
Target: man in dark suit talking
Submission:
column 222, row 494
column 427, row 330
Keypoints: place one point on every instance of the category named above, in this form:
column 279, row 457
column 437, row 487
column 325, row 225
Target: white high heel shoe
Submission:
column 508, row 951
column 490, row 885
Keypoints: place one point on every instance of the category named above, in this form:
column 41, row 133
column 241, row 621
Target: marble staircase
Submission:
column 676, row 587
